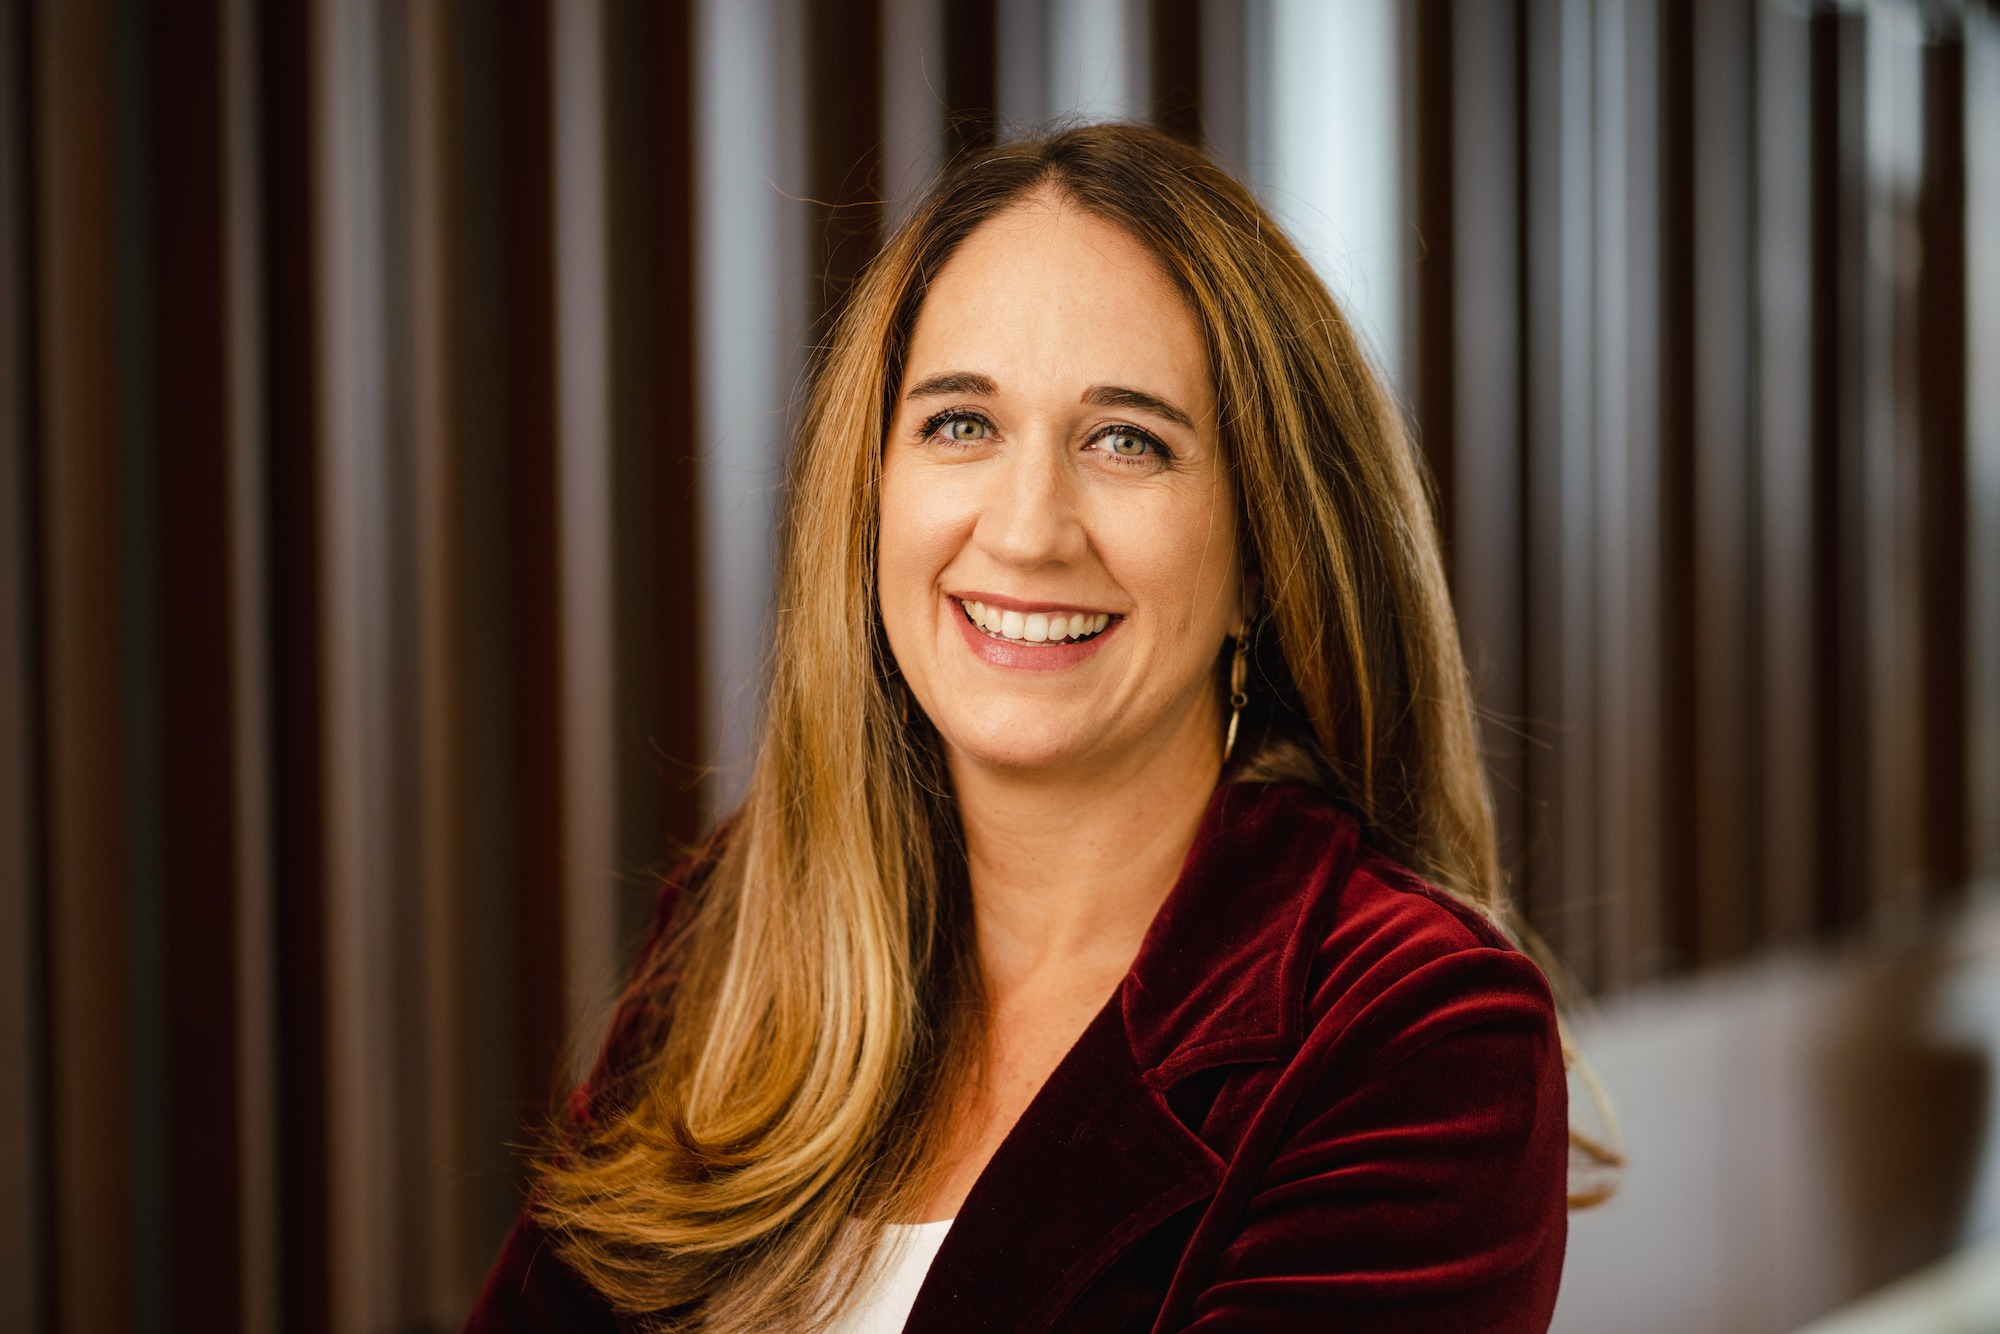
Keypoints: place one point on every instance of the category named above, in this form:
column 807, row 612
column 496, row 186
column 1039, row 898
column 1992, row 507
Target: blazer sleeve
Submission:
column 1421, row 1181
column 530, row 1290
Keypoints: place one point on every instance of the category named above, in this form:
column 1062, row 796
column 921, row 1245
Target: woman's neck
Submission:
column 1068, row 870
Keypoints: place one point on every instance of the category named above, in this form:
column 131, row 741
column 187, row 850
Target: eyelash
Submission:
column 1159, row 450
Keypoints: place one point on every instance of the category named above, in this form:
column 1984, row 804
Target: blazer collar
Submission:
column 1099, row 1158
column 1221, row 976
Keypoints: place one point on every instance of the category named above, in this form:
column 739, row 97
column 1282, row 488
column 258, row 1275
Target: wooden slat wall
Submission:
column 1702, row 446
column 358, row 477
column 331, row 498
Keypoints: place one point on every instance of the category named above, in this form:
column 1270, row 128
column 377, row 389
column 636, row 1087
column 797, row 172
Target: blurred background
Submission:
column 393, row 400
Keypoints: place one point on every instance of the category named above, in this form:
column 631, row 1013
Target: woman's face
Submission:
column 1058, row 541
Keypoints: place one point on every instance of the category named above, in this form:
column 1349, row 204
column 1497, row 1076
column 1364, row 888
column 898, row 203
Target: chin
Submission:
column 1004, row 745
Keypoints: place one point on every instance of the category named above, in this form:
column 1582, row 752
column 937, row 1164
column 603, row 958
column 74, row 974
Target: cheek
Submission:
column 916, row 541
column 1179, row 559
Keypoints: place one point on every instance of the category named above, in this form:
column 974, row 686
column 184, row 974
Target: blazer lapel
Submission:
column 1099, row 1159
column 1095, row 1163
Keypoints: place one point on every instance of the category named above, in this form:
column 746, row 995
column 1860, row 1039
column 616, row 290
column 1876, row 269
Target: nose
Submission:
column 1030, row 517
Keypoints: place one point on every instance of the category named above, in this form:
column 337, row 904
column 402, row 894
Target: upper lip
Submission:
column 1025, row 605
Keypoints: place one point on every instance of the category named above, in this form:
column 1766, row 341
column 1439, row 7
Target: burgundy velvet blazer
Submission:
column 1326, row 1097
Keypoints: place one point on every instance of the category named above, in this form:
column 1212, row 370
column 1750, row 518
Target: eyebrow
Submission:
column 954, row 382
column 1117, row 396
column 1102, row 396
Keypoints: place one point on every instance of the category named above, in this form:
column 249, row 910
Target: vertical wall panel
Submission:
column 1787, row 858
column 1174, row 36
column 1234, row 57
column 23, row 1185
column 1936, row 337
column 920, row 88
column 256, row 1088
column 1982, row 349
column 360, row 1141
column 657, row 527
column 1674, row 256
column 843, row 49
column 972, row 52
column 1021, row 41
column 1884, row 462
column 1339, row 194
column 288, row 188
column 751, row 304
column 1429, row 71
column 588, row 596
column 82, row 557
column 1723, row 687
column 527, row 292
column 1557, row 890
column 193, row 475
column 1623, row 887
column 1486, row 538
column 1635, row 880
column 451, row 1256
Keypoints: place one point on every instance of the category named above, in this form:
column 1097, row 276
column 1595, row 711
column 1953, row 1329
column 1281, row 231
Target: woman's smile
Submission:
column 1010, row 632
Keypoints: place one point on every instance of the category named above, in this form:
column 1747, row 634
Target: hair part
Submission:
column 796, row 1035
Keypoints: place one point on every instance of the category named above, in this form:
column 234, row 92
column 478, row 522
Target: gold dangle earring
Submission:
column 1239, row 671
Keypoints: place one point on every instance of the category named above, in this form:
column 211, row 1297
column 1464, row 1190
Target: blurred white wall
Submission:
column 1800, row 1129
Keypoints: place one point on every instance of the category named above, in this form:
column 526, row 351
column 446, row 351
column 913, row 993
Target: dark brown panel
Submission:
column 527, row 296
column 843, row 142
column 656, row 534
column 1784, row 460
column 972, row 54
column 1431, row 57
column 1846, row 790
column 198, row 835
column 298, row 838
column 24, row 1200
column 1940, row 367
column 1721, row 481
column 84, row 664
column 1175, row 34
column 1680, row 911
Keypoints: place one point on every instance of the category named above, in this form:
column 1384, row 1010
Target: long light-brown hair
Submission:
column 799, row 1027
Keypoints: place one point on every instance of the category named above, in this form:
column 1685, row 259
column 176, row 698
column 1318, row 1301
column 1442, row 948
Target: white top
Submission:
column 882, row 1303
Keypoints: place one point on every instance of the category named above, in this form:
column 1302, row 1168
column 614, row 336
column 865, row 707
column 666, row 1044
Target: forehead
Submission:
column 1047, row 293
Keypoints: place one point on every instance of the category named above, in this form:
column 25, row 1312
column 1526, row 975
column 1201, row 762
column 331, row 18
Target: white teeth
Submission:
column 1036, row 627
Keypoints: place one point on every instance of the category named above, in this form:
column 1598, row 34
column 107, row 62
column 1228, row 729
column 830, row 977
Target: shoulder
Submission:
column 1287, row 931
column 1361, row 947
column 1400, row 964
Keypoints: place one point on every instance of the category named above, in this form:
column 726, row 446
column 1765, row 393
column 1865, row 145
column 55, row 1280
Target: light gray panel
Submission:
column 751, row 246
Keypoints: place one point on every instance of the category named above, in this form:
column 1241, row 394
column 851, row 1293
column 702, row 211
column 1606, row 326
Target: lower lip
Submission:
column 1033, row 657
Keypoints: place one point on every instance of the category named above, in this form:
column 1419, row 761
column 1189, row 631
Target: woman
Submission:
column 1111, row 936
